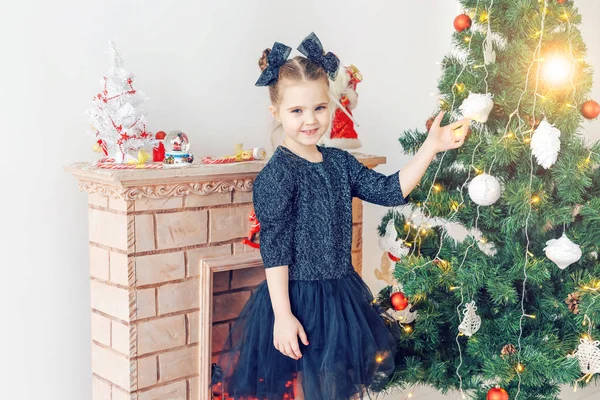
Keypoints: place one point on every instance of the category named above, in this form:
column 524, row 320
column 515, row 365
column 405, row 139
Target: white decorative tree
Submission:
column 117, row 125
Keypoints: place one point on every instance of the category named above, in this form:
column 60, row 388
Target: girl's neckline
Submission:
column 287, row 150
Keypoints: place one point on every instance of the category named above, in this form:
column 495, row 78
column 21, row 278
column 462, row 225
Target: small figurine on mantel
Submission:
column 158, row 150
column 178, row 155
column 257, row 153
column 343, row 91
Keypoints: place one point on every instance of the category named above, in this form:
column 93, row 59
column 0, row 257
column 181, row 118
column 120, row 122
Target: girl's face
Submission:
column 303, row 111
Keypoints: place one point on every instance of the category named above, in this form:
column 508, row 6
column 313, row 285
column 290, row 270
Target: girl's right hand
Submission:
column 286, row 330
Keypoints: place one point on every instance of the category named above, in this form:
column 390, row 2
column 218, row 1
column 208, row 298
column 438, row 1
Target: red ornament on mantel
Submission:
column 462, row 22
column 590, row 109
column 399, row 301
column 497, row 393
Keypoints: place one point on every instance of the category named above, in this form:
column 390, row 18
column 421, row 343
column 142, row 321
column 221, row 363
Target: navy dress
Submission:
column 305, row 213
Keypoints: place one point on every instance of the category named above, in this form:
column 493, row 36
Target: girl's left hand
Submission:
column 449, row 137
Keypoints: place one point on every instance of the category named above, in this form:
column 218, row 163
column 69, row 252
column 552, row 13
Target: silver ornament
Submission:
column 471, row 322
column 588, row 355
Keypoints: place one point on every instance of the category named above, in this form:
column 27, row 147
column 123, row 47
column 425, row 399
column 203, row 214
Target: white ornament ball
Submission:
column 562, row 251
column 545, row 144
column 477, row 107
column 484, row 190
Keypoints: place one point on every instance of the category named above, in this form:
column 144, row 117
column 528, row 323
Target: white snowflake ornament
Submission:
column 477, row 107
column 471, row 321
column 588, row 355
column 562, row 251
column 389, row 242
column 484, row 190
column 545, row 144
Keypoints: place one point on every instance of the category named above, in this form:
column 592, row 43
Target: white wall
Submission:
column 197, row 62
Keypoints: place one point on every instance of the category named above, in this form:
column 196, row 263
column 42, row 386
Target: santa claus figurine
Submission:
column 343, row 91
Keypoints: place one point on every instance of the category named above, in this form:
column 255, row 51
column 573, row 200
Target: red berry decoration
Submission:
column 590, row 109
column 497, row 393
column 399, row 301
column 462, row 22
column 561, row 1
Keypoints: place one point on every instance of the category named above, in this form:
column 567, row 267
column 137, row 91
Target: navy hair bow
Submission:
column 312, row 48
column 276, row 58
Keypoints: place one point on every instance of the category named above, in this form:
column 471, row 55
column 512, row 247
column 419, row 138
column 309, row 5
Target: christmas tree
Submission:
column 512, row 310
column 118, row 126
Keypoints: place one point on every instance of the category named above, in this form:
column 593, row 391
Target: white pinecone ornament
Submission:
column 389, row 242
column 588, row 355
column 484, row 190
column 562, row 251
column 471, row 321
column 477, row 107
column 545, row 144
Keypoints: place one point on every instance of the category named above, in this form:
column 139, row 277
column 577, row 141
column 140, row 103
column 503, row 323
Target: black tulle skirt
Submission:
column 351, row 350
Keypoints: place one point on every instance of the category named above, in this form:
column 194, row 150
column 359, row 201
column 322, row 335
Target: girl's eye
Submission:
column 297, row 111
column 320, row 108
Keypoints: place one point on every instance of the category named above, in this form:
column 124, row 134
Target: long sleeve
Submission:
column 273, row 196
column 372, row 186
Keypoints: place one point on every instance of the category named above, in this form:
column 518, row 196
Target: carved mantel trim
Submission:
column 132, row 193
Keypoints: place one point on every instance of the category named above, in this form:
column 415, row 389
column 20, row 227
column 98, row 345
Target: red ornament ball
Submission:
column 399, row 301
column 462, row 22
column 497, row 393
column 393, row 257
column 160, row 135
column 590, row 109
column 561, row 1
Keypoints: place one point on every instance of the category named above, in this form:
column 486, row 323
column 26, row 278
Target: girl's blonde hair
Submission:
column 296, row 69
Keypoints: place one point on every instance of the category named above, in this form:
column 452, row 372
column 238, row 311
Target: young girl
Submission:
column 311, row 330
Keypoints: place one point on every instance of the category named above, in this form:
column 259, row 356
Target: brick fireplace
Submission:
column 168, row 274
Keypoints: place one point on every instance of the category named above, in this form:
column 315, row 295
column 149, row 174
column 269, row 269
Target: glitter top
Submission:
column 305, row 210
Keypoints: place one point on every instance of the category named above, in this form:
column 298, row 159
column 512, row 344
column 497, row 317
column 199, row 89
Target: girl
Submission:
column 311, row 330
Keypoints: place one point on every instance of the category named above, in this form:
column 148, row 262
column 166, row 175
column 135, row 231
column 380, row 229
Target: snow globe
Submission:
column 177, row 153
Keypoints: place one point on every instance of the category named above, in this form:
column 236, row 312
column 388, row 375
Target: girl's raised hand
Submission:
column 286, row 330
column 448, row 137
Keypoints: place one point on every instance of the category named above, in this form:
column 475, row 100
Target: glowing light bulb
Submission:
column 556, row 70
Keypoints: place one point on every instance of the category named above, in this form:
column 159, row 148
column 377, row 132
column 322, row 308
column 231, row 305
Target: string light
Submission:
column 408, row 328
column 557, row 69
column 535, row 199
column 520, row 368
column 467, row 39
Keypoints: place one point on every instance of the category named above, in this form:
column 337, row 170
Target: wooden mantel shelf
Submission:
column 131, row 184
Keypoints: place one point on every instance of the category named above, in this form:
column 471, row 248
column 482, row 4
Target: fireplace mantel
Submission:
column 150, row 234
